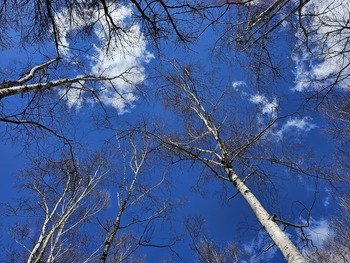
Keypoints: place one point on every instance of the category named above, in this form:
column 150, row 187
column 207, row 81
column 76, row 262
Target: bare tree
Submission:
column 64, row 195
column 336, row 247
column 227, row 149
column 140, row 202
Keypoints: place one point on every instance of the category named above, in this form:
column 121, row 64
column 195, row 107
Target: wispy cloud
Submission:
column 301, row 124
column 267, row 107
column 296, row 126
column 237, row 84
column 327, row 198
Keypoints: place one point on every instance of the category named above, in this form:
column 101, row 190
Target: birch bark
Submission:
column 288, row 249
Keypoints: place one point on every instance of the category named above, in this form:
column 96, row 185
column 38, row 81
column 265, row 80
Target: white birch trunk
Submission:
column 288, row 249
column 15, row 90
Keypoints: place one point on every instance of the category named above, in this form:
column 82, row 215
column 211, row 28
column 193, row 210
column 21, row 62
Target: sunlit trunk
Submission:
column 288, row 249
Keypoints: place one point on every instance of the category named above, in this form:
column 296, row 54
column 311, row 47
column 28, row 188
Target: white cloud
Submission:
column 319, row 231
column 301, row 124
column 326, row 201
column 328, row 39
column 122, row 55
column 295, row 125
column 327, row 198
column 256, row 99
column 118, row 61
column 267, row 107
column 236, row 84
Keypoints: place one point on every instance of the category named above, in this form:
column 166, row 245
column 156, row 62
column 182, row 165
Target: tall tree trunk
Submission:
column 288, row 249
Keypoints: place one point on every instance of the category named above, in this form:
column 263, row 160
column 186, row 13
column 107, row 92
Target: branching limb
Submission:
column 28, row 76
column 14, row 90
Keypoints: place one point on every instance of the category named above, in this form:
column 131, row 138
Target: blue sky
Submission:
column 225, row 221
